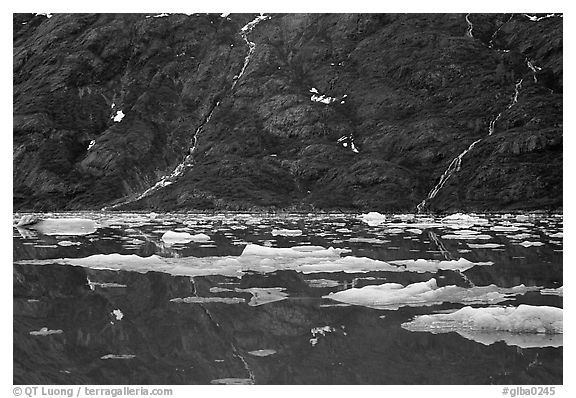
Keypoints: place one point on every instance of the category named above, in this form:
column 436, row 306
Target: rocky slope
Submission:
column 302, row 111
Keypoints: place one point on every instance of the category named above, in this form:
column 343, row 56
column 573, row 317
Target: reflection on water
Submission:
column 215, row 301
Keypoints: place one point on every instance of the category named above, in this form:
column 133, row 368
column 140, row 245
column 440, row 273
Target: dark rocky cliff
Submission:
column 407, row 94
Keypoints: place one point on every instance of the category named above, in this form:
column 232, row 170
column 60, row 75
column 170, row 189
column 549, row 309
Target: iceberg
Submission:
column 262, row 353
column 264, row 295
column 391, row 296
column 373, row 218
column 553, row 292
column 204, row 300
column 525, row 326
column 421, row 265
column 172, row 237
column 45, row 332
column 59, row 226
column 286, row 232
column 459, row 218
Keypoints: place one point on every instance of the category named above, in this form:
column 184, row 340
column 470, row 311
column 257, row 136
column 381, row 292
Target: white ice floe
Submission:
column 91, row 144
column 47, row 15
column 45, row 332
column 368, row 240
column 255, row 258
column 391, row 296
column 262, row 353
column 466, row 236
column 421, row 265
column 286, row 232
column 232, row 381
column 557, row 235
column 172, row 237
column 505, row 228
column 373, row 218
column 460, row 218
column 525, row 326
column 484, row 245
column 321, row 283
column 530, row 244
column 204, row 300
column 217, row 289
column 62, row 226
column 118, row 314
column 116, row 356
column 264, row 295
column 68, row 243
column 554, row 292
column 319, row 331
column 119, row 116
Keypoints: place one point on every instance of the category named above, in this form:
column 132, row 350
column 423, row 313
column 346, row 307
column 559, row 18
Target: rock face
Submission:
column 331, row 111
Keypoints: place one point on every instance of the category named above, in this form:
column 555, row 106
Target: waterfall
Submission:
column 456, row 163
column 189, row 159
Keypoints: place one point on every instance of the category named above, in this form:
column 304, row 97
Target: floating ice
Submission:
column 530, row 244
column 47, row 15
column 216, row 289
column 321, row 283
column 45, row 332
column 264, row 295
column 118, row 314
column 115, row 356
column 172, row 237
column 391, row 296
column 460, row 218
column 61, row 226
column 262, row 353
column 119, row 116
column 286, row 232
column 422, row 265
column 368, row 240
column 232, row 381
column 557, row 235
column 484, row 245
column 319, row 331
column 224, row 15
column 202, row 300
column 68, row 243
column 555, row 292
column 524, row 326
column 466, row 236
column 373, row 218
column 505, row 228
column 91, row 144
column 295, row 251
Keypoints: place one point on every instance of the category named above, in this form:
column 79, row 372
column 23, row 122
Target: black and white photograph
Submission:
column 287, row 198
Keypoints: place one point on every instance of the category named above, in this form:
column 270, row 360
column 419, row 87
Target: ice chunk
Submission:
column 264, row 295
column 62, row 226
column 91, row 144
column 201, row 300
column 422, row 265
column 466, row 236
column 295, row 251
column 321, row 283
column 319, row 331
column 392, row 296
column 505, row 228
column 557, row 235
column 216, row 289
column 286, row 232
column 524, row 326
column 119, row 116
column 556, row 292
column 115, row 356
column 368, row 240
column 484, row 245
column 373, row 218
column 460, row 218
column 45, row 332
column 232, row 381
column 172, row 237
column 529, row 244
column 262, row 353
column 68, row 243
column 118, row 314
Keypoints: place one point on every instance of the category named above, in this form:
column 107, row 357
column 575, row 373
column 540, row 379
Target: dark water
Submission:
column 113, row 322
